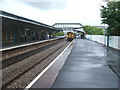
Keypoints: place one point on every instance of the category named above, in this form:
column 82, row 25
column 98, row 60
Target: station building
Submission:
column 17, row 29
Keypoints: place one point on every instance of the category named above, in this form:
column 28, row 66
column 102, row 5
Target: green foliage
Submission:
column 111, row 15
column 58, row 34
column 80, row 33
column 92, row 30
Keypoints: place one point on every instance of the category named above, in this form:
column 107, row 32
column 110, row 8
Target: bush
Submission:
column 58, row 34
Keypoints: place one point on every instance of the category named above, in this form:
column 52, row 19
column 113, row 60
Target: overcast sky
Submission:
column 86, row 12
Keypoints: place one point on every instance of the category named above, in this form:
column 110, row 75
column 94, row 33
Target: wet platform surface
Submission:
column 87, row 66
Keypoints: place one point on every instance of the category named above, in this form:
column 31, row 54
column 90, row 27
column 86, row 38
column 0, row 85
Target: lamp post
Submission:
column 105, row 34
column 108, row 36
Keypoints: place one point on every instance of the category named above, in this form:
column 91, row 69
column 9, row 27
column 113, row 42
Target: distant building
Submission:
column 103, row 27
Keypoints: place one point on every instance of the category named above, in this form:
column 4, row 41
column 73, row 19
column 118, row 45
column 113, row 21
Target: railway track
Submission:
column 27, row 53
column 7, row 80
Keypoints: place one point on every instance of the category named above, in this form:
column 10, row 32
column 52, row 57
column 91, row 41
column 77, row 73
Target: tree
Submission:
column 92, row 30
column 61, row 33
column 111, row 15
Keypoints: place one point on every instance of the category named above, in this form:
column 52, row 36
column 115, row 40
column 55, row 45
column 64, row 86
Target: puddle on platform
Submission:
column 89, row 64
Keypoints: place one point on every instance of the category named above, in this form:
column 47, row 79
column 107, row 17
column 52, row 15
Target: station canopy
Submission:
column 10, row 16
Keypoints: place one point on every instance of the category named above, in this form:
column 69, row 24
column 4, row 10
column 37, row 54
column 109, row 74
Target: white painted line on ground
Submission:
column 22, row 45
column 31, row 84
column 26, row 44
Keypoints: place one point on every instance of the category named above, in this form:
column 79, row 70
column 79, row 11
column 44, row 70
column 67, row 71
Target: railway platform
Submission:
column 85, row 64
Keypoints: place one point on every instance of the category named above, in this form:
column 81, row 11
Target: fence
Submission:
column 113, row 40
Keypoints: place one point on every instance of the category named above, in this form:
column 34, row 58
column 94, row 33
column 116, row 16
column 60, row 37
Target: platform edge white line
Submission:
column 24, row 45
column 31, row 84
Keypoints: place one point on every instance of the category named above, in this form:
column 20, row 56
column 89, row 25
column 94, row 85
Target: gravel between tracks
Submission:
column 14, row 70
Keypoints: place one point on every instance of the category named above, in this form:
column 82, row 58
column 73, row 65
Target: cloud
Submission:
column 47, row 5
column 39, row 0
column 55, row 11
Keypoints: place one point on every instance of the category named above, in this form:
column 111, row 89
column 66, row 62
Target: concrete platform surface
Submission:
column 87, row 67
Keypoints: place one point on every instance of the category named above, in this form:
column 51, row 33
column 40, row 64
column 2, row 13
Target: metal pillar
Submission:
column 0, row 48
column 108, row 36
column 0, row 30
column 14, row 35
